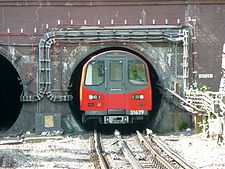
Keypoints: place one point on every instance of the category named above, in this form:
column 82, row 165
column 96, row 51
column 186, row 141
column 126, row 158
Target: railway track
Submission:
column 136, row 151
column 96, row 152
column 163, row 156
column 105, row 151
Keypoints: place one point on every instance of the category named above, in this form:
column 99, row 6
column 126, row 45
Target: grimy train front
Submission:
column 65, row 63
column 115, row 88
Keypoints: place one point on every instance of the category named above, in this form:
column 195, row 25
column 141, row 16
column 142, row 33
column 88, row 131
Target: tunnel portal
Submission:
column 75, row 89
column 59, row 64
column 10, row 91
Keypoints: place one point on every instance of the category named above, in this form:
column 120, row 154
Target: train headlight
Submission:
column 90, row 97
column 94, row 96
column 141, row 96
column 138, row 96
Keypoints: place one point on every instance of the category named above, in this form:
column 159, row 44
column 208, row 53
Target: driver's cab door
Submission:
column 116, row 83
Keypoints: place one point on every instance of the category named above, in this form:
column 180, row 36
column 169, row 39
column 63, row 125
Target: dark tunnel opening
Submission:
column 10, row 91
column 75, row 107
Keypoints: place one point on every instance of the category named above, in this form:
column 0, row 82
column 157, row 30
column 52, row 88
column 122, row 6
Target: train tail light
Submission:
column 94, row 96
column 90, row 104
column 138, row 96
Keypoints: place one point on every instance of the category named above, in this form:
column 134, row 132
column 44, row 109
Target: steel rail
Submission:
column 155, row 154
column 97, row 147
column 169, row 152
column 128, row 155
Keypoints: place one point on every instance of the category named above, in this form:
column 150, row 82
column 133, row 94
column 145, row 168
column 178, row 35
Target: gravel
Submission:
column 200, row 151
column 46, row 152
column 74, row 152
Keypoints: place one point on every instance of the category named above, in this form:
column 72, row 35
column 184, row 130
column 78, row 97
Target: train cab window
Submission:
column 116, row 70
column 95, row 73
column 137, row 73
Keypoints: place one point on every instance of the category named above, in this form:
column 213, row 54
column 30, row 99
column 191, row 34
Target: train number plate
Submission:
column 137, row 112
column 116, row 119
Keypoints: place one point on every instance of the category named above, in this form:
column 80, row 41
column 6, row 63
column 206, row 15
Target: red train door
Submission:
column 115, row 83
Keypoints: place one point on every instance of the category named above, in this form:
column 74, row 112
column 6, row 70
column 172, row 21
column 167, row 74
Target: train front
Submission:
column 115, row 89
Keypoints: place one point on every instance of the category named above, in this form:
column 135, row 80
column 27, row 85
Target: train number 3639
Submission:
column 136, row 112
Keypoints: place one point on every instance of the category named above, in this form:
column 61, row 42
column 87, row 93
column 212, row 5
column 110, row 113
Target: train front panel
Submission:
column 115, row 89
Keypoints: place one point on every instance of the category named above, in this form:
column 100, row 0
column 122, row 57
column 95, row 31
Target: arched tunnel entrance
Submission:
column 10, row 91
column 76, row 79
column 75, row 89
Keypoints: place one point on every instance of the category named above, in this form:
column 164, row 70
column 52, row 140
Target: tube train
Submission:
column 115, row 89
